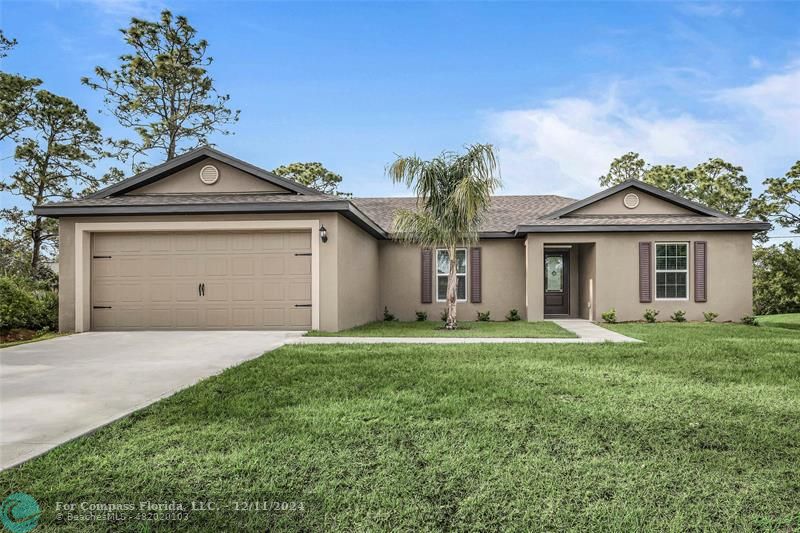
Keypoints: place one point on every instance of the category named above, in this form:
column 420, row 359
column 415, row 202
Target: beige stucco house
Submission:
column 206, row 241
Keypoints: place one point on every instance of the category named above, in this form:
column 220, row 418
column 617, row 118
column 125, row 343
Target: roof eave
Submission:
column 616, row 228
column 336, row 206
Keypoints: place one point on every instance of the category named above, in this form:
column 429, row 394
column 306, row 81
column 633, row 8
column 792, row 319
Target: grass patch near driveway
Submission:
column 694, row 430
column 429, row 328
column 790, row 320
column 27, row 338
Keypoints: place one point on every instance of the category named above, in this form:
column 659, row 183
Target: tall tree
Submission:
column 16, row 95
column 313, row 175
column 780, row 201
column 626, row 167
column 716, row 183
column 776, row 279
column 53, row 155
column 453, row 193
column 162, row 89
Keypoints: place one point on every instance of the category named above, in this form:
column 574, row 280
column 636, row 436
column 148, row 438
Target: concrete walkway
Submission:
column 587, row 332
column 55, row 390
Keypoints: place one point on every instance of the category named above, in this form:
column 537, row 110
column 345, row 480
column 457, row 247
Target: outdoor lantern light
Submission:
column 323, row 234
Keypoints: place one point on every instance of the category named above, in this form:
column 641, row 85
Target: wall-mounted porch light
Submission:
column 323, row 234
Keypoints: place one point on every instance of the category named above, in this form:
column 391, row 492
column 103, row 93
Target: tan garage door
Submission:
column 210, row 280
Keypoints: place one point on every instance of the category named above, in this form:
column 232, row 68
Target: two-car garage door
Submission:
column 202, row 280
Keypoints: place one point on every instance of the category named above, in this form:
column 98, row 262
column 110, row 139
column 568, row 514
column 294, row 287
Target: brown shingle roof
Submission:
column 504, row 215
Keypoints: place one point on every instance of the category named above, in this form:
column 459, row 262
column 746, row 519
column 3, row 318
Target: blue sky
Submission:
column 559, row 88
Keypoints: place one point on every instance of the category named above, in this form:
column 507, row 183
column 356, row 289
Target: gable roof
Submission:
column 191, row 157
column 644, row 187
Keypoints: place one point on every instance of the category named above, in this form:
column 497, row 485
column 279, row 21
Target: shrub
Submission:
column 749, row 320
column 679, row 315
column 422, row 316
column 650, row 315
column 387, row 316
column 610, row 316
column 23, row 304
column 484, row 317
column 513, row 315
column 709, row 316
column 443, row 315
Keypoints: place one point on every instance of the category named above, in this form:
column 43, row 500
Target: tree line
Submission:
column 161, row 92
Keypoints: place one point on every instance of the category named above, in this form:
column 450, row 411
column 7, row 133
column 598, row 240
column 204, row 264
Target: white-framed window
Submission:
column 672, row 270
column 443, row 270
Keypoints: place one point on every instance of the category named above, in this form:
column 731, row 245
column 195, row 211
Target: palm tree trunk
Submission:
column 452, row 285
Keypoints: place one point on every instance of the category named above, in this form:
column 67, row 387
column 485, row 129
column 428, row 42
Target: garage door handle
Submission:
column 101, row 257
column 201, row 289
column 302, row 305
column 309, row 253
column 101, row 307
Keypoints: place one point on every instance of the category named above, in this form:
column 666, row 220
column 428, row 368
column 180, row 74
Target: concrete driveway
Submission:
column 55, row 390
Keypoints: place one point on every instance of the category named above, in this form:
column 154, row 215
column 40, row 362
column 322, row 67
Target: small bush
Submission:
column 749, row 320
column 650, row 315
column 26, row 304
column 443, row 315
column 513, row 315
column 387, row 316
column 422, row 316
column 709, row 316
column 678, row 316
column 610, row 316
column 484, row 317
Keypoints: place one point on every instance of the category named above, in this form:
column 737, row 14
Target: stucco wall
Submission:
column 503, row 281
column 587, row 280
column 729, row 273
column 188, row 181
column 648, row 204
column 328, row 281
column 358, row 287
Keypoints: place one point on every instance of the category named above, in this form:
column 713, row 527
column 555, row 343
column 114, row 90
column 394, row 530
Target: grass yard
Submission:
column 695, row 430
column 39, row 337
column 790, row 321
column 429, row 328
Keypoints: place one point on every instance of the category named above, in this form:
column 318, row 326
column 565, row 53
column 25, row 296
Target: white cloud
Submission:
column 123, row 10
column 564, row 145
column 711, row 9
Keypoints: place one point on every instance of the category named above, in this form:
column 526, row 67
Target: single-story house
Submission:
column 207, row 241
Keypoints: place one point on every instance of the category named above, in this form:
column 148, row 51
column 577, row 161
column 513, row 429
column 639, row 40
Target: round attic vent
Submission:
column 631, row 200
column 209, row 174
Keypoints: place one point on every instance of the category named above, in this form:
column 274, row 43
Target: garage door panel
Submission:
column 299, row 241
column 159, row 266
column 242, row 265
column 273, row 265
column 251, row 280
column 298, row 265
column 298, row 291
column 243, row 291
column 217, row 291
column 186, row 266
column 298, row 316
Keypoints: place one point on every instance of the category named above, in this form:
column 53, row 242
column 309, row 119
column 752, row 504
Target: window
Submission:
column 442, row 271
column 672, row 271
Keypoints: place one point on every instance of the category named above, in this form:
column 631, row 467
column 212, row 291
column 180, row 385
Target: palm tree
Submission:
column 453, row 192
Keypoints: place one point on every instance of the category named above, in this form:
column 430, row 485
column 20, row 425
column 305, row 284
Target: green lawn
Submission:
column 791, row 321
column 520, row 328
column 697, row 429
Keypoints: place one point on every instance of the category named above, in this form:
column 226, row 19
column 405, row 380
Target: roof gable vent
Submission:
column 631, row 200
column 209, row 174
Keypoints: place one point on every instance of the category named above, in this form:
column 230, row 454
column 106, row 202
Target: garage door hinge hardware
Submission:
column 101, row 307
column 101, row 257
column 302, row 305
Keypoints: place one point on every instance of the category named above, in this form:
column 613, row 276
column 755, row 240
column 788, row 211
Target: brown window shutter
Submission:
column 475, row 275
column 645, row 272
column 426, row 293
column 700, row 275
